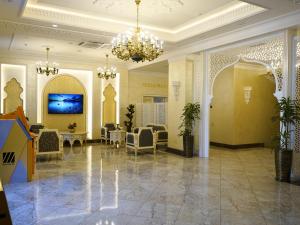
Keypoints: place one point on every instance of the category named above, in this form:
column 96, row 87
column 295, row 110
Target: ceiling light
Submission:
column 54, row 25
column 45, row 67
column 107, row 72
column 137, row 44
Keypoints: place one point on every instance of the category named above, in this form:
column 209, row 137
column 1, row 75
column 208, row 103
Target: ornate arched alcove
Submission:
column 13, row 98
column 64, row 84
column 109, row 105
column 265, row 51
column 268, row 53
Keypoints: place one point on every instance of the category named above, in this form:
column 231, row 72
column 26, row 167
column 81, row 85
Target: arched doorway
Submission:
column 242, row 106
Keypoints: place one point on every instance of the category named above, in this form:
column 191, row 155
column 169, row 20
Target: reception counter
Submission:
column 16, row 149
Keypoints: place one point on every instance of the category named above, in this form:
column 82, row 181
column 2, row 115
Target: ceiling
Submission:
column 165, row 14
column 27, row 26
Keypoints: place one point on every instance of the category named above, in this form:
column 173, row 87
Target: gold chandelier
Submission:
column 45, row 67
column 137, row 44
column 106, row 71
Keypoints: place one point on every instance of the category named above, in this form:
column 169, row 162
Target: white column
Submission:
column 206, row 99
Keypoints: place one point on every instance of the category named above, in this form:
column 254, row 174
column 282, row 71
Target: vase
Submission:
column 72, row 130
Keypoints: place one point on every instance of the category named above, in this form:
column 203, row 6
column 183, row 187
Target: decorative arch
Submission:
column 64, row 83
column 13, row 98
column 277, row 73
column 268, row 52
column 109, row 105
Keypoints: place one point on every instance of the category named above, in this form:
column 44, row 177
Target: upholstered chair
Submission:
column 49, row 142
column 35, row 128
column 105, row 135
column 160, row 134
column 143, row 139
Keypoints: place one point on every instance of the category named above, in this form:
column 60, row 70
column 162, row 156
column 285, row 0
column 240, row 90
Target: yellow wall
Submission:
column 64, row 84
column 179, row 70
column 145, row 83
column 222, row 111
column 233, row 121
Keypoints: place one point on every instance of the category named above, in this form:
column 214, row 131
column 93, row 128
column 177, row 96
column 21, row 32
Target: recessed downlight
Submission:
column 54, row 25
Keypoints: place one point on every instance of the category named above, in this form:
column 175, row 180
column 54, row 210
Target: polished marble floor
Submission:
column 102, row 186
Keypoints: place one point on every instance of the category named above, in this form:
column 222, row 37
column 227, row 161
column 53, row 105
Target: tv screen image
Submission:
column 65, row 103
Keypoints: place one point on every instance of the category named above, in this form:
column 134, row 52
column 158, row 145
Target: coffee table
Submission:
column 72, row 137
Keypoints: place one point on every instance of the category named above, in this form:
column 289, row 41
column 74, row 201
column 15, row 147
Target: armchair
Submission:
column 35, row 128
column 143, row 139
column 49, row 142
column 160, row 134
column 105, row 135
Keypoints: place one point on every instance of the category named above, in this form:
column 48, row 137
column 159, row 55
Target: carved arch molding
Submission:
column 109, row 105
column 13, row 98
column 268, row 53
column 297, row 128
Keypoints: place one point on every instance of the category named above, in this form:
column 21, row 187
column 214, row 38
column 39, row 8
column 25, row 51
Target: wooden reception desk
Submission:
column 16, row 148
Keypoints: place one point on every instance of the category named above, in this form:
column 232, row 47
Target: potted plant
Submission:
column 129, row 115
column 289, row 116
column 72, row 127
column 191, row 113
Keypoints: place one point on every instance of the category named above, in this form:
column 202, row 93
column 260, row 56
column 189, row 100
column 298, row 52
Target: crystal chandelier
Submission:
column 107, row 72
column 45, row 67
column 137, row 44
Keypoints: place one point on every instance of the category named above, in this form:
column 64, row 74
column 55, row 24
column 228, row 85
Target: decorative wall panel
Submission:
column 269, row 53
column 109, row 105
column 297, row 129
column 13, row 99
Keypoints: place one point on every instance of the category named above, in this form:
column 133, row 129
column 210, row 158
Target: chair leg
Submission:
column 135, row 152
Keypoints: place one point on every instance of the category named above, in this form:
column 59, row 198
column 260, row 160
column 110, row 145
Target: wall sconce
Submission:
column 176, row 86
column 247, row 94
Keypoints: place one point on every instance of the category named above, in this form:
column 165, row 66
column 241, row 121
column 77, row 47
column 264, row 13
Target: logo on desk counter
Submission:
column 8, row 158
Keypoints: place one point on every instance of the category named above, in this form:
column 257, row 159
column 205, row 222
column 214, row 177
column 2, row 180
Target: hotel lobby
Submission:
column 149, row 112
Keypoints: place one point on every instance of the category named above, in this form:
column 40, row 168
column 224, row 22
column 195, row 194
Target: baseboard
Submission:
column 93, row 141
column 254, row 145
column 175, row 151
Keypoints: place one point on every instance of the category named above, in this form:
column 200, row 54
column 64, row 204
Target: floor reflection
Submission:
column 101, row 185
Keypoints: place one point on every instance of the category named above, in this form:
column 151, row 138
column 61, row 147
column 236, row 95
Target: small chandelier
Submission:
column 107, row 72
column 137, row 44
column 45, row 67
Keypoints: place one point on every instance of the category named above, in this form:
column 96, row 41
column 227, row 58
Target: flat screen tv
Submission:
column 65, row 103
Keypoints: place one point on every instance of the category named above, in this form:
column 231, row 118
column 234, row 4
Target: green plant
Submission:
column 129, row 115
column 289, row 116
column 191, row 113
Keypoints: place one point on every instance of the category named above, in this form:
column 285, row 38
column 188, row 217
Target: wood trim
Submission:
column 242, row 146
column 93, row 141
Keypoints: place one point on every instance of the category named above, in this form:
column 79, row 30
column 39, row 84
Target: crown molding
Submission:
column 32, row 57
column 246, row 35
column 234, row 12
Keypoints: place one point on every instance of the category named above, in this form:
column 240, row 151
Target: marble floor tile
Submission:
column 100, row 185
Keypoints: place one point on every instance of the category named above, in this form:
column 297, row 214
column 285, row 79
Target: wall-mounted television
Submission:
column 65, row 103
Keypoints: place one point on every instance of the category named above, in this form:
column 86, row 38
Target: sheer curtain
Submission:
column 147, row 113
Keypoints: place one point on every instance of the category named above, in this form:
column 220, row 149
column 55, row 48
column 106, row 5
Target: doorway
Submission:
column 243, row 106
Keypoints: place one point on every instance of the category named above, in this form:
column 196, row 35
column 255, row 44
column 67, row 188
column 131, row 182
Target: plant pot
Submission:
column 188, row 145
column 283, row 165
column 72, row 130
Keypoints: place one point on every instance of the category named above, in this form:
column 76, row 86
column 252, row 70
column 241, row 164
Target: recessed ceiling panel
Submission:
column 161, row 13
